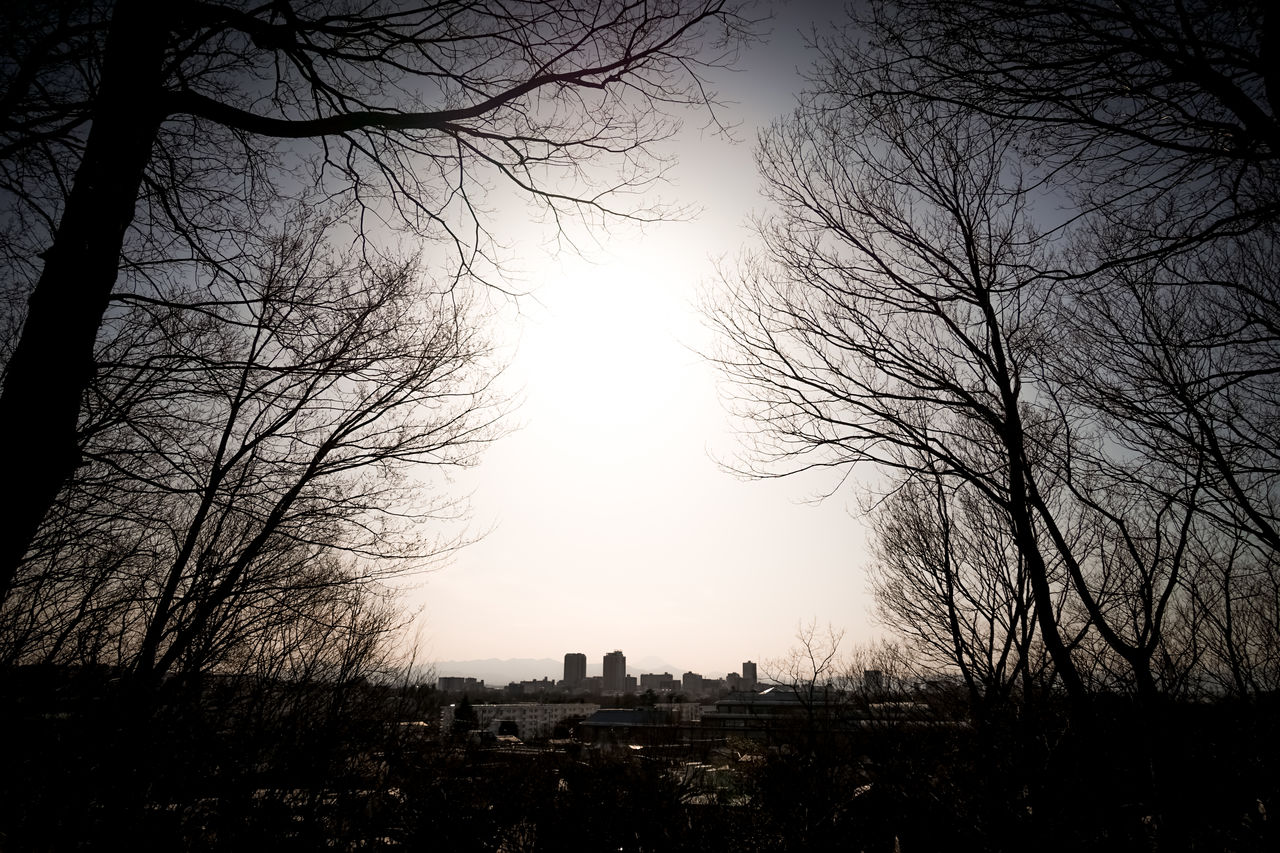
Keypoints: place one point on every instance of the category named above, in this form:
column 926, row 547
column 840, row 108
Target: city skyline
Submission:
column 497, row 672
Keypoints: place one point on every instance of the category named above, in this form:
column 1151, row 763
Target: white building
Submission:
column 532, row 719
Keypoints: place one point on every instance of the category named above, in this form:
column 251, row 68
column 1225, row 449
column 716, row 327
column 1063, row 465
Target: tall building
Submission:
column 615, row 672
column 575, row 670
column 748, row 675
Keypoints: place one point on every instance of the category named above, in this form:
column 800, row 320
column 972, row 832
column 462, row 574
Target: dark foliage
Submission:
column 233, row 765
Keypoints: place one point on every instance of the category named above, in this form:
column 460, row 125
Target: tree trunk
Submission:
column 1021, row 485
column 1041, row 592
column 53, row 361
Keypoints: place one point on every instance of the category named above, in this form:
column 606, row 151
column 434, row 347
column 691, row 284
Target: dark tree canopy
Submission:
column 1141, row 101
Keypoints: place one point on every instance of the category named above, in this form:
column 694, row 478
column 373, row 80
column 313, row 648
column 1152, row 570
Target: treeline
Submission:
column 298, row 766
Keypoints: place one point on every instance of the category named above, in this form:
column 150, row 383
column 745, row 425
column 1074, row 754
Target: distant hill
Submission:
column 497, row 673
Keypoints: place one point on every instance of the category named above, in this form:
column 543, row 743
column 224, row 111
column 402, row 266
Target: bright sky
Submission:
column 613, row 526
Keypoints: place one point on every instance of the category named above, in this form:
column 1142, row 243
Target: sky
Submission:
column 611, row 524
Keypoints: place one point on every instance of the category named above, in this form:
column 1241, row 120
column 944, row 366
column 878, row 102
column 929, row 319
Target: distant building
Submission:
column 684, row 712
column 691, row 682
column 533, row 688
column 653, row 680
column 452, row 684
column 532, row 720
column 873, row 680
column 733, row 682
column 780, row 715
column 615, row 672
column 749, row 680
column 575, row 670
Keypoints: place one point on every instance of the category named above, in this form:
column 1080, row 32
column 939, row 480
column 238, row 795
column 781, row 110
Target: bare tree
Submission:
column 908, row 313
column 896, row 314
column 1231, row 621
column 813, row 669
column 949, row 579
column 257, row 453
column 1184, row 379
column 1157, row 120
column 141, row 131
column 1160, row 114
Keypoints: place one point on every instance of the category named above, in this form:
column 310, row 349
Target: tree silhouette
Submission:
column 948, row 578
column 1157, row 122
column 141, row 132
column 894, row 316
column 464, row 717
column 256, row 457
column 1099, row 377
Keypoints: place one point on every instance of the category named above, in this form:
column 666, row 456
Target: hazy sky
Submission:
column 613, row 525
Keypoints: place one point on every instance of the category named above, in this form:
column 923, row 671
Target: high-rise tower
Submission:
column 748, row 675
column 615, row 672
column 575, row 669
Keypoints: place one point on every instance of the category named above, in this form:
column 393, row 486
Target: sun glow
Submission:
column 611, row 524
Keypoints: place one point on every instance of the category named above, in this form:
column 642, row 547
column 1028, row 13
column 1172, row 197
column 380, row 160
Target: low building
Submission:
column 455, row 684
column 683, row 712
column 762, row 716
column 638, row 726
column 533, row 687
column 780, row 714
column 654, row 680
column 532, row 719
column 691, row 683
